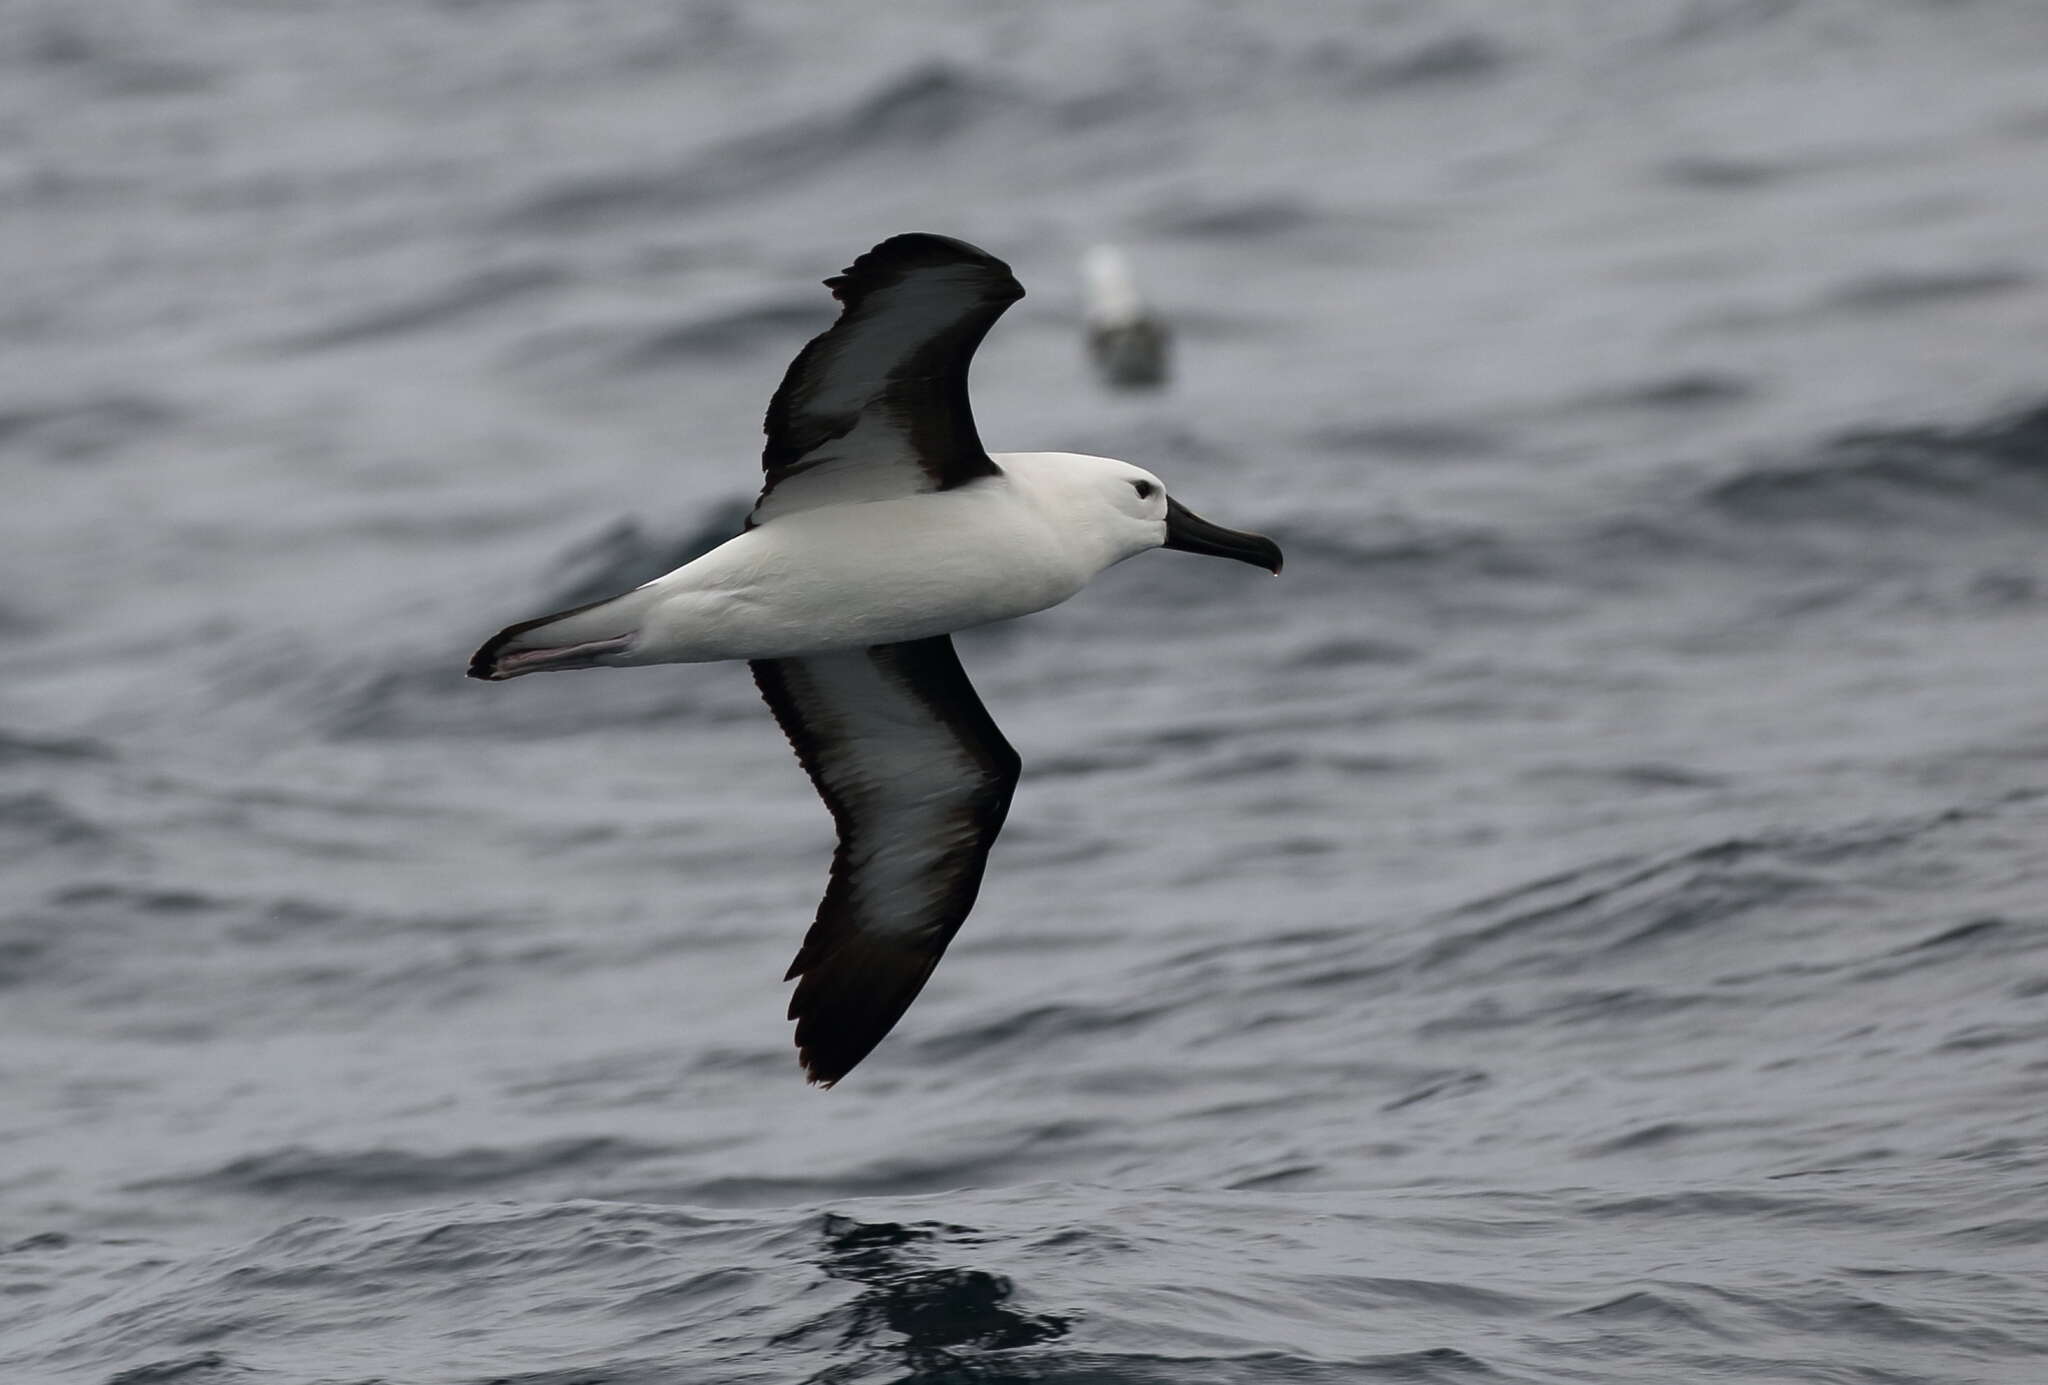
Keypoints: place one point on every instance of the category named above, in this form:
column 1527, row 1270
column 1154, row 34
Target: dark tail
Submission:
column 592, row 636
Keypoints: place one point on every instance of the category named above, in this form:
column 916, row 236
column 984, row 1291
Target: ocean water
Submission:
column 1586, row 923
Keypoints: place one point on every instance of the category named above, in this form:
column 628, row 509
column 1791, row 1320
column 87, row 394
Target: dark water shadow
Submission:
column 940, row 1320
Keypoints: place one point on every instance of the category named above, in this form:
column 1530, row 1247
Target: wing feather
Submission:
column 877, row 405
column 918, row 779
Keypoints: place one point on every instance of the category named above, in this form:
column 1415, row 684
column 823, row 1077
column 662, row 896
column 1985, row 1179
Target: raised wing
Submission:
column 877, row 406
column 918, row 779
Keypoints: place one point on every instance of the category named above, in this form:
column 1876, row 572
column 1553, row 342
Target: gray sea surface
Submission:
column 1586, row 923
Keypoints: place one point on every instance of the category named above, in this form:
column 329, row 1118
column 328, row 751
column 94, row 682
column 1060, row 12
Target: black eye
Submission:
column 1145, row 489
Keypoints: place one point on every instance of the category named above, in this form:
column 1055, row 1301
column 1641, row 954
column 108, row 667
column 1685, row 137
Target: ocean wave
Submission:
column 828, row 1296
column 433, row 310
column 87, row 428
column 18, row 748
column 33, row 823
column 1254, row 218
column 1929, row 518
column 1636, row 941
column 1449, row 59
column 1413, row 439
column 922, row 107
column 324, row 1176
column 1065, row 1288
column 1991, row 474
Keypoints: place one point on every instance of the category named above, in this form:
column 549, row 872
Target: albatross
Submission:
column 1127, row 341
column 884, row 526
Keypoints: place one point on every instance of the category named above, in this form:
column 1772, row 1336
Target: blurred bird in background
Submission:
column 1128, row 343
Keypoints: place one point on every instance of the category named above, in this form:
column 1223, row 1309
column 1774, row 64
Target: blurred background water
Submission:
column 1585, row 923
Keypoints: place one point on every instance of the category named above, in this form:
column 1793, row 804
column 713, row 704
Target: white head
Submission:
column 1119, row 511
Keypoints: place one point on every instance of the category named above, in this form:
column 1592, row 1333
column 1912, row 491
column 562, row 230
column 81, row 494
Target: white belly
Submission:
column 849, row 576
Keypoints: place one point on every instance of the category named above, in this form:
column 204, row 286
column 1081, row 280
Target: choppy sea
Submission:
column 1587, row 923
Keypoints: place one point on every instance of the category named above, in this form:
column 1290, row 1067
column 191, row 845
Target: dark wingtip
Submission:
column 484, row 663
column 848, row 999
column 914, row 250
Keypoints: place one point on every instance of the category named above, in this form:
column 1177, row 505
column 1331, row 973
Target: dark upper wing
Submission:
column 877, row 406
column 918, row 779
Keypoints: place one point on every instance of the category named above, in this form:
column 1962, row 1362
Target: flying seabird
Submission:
column 882, row 528
column 1127, row 340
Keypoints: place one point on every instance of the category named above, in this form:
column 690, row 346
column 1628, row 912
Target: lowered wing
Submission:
column 918, row 780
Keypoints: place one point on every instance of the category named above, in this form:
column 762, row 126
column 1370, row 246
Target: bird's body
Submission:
column 923, row 564
column 883, row 528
